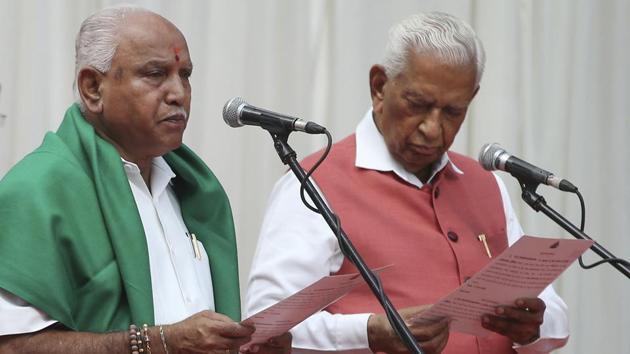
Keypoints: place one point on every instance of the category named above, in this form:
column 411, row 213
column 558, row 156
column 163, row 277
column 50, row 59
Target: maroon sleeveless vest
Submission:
column 429, row 234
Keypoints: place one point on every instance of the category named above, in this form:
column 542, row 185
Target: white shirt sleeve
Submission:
column 19, row 317
column 296, row 248
column 554, row 332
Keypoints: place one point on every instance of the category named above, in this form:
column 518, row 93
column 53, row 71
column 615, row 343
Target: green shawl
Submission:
column 72, row 242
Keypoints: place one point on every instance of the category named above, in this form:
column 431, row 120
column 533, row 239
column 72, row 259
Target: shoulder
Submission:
column 49, row 167
column 463, row 160
column 467, row 164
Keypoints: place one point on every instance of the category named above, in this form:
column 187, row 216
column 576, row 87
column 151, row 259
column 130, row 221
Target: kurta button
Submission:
column 436, row 192
column 452, row 236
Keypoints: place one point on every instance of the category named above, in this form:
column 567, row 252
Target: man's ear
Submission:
column 475, row 93
column 89, row 83
column 378, row 78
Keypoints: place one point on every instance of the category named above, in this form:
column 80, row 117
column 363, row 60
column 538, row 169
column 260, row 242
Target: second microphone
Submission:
column 237, row 113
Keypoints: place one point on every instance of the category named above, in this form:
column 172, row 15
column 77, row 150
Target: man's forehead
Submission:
column 151, row 37
column 152, row 31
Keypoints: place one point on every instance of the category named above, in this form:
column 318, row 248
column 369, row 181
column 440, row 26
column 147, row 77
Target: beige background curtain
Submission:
column 555, row 93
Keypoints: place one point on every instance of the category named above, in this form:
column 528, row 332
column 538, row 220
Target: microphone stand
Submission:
column 288, row 157
column 538, row 203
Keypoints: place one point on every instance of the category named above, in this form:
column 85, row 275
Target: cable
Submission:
column 582, row 222
column 310, row 172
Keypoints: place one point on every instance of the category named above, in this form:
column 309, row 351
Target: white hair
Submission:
column 435, row 33
column 98, row 39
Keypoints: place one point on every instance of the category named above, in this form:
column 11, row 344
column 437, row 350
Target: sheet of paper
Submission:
column 284, row 315
column 523, row 270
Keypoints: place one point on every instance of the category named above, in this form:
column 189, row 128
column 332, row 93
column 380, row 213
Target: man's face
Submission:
column 146, row 94
column 419, row 111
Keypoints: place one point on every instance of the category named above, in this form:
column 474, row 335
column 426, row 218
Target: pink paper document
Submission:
column 523, row 270
column 284, row 315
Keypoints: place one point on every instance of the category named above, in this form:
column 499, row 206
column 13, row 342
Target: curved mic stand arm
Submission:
column 538, row 203
column 288, row 157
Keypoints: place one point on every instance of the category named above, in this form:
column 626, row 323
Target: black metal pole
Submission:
column 538, row 203
column 288, row 157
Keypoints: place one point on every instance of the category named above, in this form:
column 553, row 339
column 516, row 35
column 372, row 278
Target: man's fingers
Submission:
column 215, row 316
column 282, row 340
column 520, row 315
column 531, row 304
column 235, row 330
column 414, row 311
column 276, row 345
column 223, row 343
column 496, row 324
column 225, row 326
column 517, row 331
column 437, row 343
column 236, row 343
column 424, row 330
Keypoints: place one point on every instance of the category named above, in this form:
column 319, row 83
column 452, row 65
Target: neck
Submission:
column 143, row 163
column 423, row 175
column 145, row 170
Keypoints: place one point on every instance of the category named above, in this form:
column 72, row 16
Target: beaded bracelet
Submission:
column 135, row 340
column 147, row 340
column 139, row 341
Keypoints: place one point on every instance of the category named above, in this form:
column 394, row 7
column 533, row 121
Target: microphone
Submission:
column 494, row 157
column 237, row 113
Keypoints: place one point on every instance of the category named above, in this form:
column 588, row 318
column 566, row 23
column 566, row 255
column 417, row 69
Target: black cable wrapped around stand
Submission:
column 538, row 203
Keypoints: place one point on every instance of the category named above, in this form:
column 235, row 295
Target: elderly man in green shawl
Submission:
column 115, row 237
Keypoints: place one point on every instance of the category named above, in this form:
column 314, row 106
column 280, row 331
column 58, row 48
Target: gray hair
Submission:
column 98, row 39
column 435, row 33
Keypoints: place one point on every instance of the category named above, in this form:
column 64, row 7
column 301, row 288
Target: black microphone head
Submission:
column 489, row 155
column 232, row 112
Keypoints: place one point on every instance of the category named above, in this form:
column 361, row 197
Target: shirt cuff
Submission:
column 349, row 335
column 541, row 345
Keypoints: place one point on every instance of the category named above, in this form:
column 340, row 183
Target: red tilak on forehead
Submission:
column 176, row 50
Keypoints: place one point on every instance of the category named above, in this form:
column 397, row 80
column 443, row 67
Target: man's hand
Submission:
column 276, row 345
column 521, row 323
column 431, row 336
column 205, row 332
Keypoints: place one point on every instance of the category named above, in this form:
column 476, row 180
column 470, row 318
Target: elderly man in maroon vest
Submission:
column 404, row 199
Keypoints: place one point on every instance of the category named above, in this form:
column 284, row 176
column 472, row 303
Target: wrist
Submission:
column 160, row 338
column 531, row 340
column 375, row 333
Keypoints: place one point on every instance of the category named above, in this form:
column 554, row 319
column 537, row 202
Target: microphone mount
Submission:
column 539, row 204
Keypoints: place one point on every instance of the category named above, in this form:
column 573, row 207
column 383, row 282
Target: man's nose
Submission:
column 177, row 90
column 430, row 126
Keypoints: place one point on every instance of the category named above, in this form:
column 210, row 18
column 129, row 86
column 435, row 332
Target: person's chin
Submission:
column 172, row 144
column 417, row 162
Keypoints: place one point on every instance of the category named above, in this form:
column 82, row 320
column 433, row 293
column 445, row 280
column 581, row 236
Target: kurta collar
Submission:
column 161, row 175
column 372, row 154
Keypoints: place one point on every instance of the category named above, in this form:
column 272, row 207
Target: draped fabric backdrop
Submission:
column 555, row 93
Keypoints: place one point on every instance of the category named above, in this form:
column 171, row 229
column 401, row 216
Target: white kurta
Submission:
column 296, row 248
column 181, row 284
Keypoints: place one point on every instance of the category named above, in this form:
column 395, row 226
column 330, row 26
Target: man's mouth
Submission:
column 424, row 150
column 176, row 119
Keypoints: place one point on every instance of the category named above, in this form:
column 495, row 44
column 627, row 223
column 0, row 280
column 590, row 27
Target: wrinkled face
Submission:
column 146, row 94
column 419, row 111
